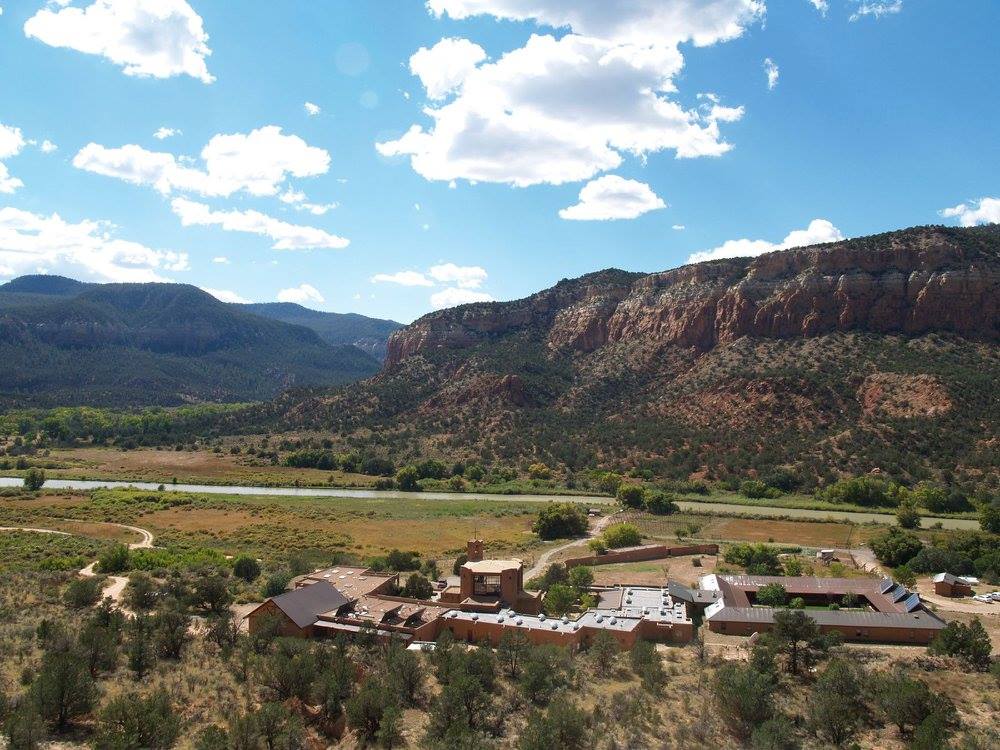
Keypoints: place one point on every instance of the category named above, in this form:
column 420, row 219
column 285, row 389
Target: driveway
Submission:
column 595, row 528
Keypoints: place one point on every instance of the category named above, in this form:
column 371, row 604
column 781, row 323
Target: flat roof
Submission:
column 354, row 583
column 592, row 618
column 493, row 566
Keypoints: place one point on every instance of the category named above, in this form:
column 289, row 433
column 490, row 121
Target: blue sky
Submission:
column 546, row 138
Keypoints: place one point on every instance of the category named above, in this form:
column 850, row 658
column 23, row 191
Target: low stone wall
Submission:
column 638, row 554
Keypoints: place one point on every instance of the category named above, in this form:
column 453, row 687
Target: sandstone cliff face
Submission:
column 909, row 282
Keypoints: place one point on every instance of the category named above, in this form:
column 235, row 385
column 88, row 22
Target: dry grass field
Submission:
column 189, row 467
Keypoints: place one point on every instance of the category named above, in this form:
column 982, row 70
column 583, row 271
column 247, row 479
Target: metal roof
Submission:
column 304, row 605
column 921, row 620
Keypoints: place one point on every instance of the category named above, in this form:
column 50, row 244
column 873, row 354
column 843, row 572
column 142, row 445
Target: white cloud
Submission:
column 11, row 143
column 150, row 38
column 300, row 294
column 403, row 278
column 298, row 199
column 317, row 209
column 986, row 211
column 638, row 22
column 678, row 227
column 563, row 110
column 162, row 133
column 876, row 8
column 821, row 5
column 286, row 236
column 613, row 197
column 225, row 295
column 258, row 162
column 443, row 67
column 772, row 72
column 559, row 111
column 311, row 109
column 818, row 231
column 47, row 146
column 466, row 277
column 453, row 296
column 221, row 259
column 29, row 240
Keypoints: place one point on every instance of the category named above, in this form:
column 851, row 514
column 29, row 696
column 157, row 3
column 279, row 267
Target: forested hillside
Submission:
column 874, row 353
column 63, row 342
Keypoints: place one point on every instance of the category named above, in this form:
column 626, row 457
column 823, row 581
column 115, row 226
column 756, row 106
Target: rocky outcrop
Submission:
column 909, row 282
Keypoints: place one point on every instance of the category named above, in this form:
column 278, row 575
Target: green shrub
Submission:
column 622, row 535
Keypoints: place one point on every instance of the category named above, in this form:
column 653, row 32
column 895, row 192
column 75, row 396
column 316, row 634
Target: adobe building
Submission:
column 946, row 584
column 886, row 611
column 491, row 585
column 627, row 614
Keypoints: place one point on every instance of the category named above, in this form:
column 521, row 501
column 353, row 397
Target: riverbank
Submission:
column 692, row 506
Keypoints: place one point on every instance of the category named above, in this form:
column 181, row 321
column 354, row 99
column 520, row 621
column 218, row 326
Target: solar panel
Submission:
column 885, row 584
column 912, row 602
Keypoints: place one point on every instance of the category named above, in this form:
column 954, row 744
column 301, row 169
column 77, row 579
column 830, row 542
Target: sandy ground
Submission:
column 116, row 584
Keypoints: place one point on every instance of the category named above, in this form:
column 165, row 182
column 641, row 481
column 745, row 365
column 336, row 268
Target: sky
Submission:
column 395, row 157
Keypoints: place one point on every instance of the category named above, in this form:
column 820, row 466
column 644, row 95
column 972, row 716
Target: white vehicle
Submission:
column 982, row 598
column 995, row 596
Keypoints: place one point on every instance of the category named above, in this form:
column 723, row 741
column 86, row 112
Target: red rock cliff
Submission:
column 911, row 282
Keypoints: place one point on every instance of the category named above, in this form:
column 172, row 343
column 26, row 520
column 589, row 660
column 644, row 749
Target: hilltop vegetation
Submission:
column 64, row 342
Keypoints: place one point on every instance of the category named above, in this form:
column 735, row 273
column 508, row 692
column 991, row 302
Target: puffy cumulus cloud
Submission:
column 225, row 295
column 818, row 232
column 443, row 67
column 453, row 296
column 300, row 294
column 772, row 72
column 613, row 197
column 560, row 110
column 221, row 259
column 11, row 143
column 638, row 22
column 163, row 133
column 403, row 278
column 257, row 162
column 311, row 109
column 986, row 211
column 876, row 8
column 465, row 277
column 286, row 236
column 47, row 146
column 150, row 38
column 28, row 241
column 821, row 5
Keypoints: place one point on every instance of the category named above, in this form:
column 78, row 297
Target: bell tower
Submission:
column 475, row 549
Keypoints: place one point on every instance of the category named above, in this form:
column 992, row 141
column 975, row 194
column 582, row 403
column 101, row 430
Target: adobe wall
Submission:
column 639, row 554
column 268, row 610
column 869, row 634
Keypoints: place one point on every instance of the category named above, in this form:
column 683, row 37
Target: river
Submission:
column 335, row 492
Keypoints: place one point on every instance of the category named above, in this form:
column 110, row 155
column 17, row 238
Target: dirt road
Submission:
column 596, row 527
column 116, row 584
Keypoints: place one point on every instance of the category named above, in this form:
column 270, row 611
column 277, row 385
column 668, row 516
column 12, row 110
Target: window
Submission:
column 486, row 584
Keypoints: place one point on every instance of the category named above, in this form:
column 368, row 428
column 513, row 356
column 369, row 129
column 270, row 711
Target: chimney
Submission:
column 474, row 550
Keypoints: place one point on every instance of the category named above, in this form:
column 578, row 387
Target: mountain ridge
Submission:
column 64, row 342
column 825, row 358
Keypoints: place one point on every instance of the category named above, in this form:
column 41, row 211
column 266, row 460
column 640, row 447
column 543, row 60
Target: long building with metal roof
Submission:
column 860, row 609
